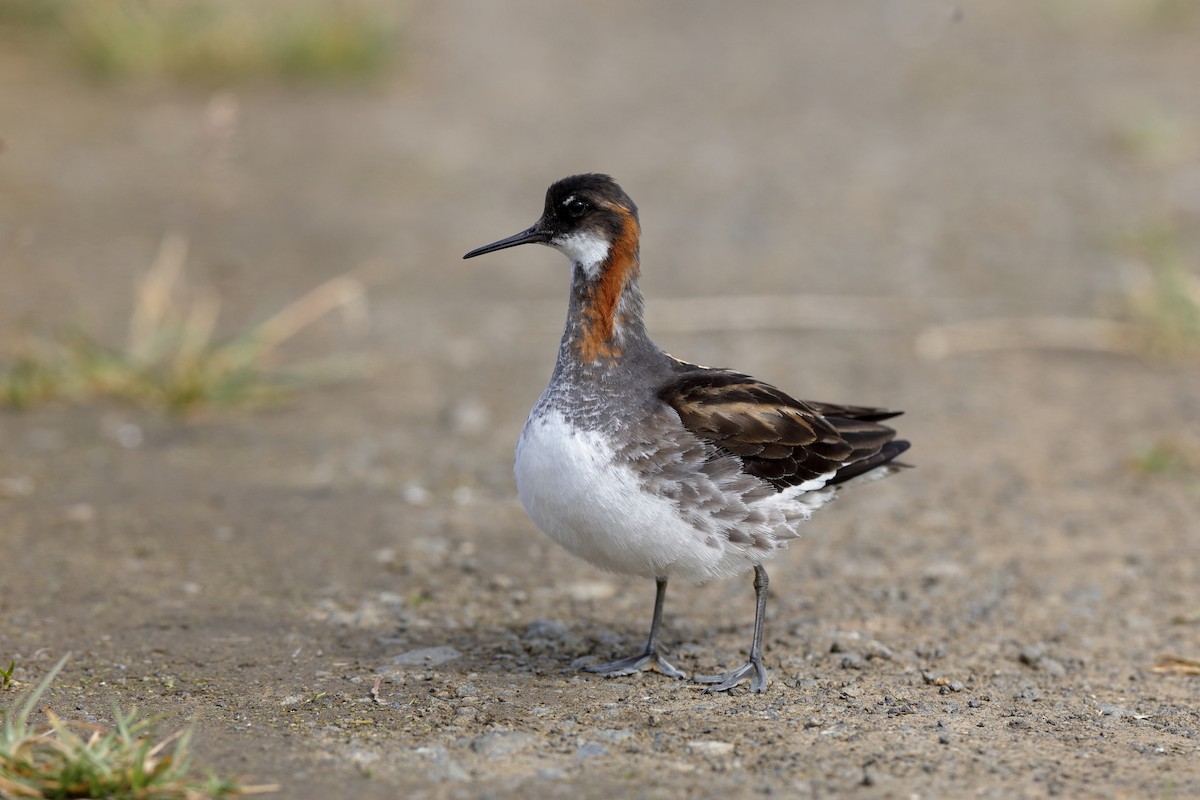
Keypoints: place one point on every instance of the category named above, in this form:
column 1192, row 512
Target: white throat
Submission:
column 584, row 249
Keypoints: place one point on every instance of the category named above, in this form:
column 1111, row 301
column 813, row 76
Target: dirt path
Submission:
column 986, row 625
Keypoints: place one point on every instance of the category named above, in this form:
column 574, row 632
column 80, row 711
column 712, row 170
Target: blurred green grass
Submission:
column 172, row 359
column 215, row 41
column 1077, row 16
column 1164, row 292
column 73, row 758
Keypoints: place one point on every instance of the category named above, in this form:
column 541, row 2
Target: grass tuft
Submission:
column 77, row 759
column 1168, row 457
column 1157, row 138
column 172, row 359
column 1117, row 16
column 1164, row 297
column 209, row 41
column 6, row 675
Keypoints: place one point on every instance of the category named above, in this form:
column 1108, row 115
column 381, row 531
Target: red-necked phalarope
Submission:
column 647, row 465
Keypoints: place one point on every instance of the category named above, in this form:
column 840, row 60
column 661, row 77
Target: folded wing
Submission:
column 784, row 441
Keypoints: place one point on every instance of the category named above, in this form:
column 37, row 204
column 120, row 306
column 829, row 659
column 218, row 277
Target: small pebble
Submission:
column 425, row 657
column 546, row 629
column 500, row 744
column 17, row 486
column 1035, row 656
column 853, row 661
column 710, row 748
column 591, row 750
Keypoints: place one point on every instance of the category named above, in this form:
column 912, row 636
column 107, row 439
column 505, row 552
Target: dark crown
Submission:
column 591, row 187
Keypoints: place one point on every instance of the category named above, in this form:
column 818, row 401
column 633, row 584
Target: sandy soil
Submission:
column 984, row 625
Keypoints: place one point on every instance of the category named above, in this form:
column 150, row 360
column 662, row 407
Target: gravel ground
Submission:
column 343, row 591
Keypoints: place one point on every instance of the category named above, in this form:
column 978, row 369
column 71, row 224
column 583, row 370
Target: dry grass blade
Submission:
column 1053, row 333
column 1190, row 618
column 153, row 303
column 1173, row 665
column 343, row 293
column 198, row 329
column 1158, row 315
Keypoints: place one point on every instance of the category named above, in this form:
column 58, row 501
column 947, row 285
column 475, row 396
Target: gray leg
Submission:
column 754, row 666
column 651, row 656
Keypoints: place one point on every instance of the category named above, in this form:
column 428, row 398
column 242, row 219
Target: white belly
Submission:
column 597, row 509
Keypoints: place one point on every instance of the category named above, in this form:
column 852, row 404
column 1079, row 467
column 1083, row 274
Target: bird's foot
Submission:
column 628, row 666
column 753, row 669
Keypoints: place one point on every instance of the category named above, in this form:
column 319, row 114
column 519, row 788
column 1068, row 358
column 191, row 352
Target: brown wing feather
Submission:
column 780, row 439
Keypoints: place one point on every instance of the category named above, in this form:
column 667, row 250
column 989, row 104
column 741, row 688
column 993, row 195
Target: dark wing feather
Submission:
column 782, row 440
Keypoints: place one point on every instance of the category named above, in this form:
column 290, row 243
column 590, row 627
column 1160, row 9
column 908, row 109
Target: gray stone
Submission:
column 499, row 744
column 425, row 657
column 591, row 750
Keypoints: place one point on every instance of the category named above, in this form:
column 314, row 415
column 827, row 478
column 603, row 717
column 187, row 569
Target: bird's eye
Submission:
column 575, row 208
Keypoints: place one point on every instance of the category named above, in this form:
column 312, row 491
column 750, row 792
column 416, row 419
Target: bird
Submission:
column 647, row 465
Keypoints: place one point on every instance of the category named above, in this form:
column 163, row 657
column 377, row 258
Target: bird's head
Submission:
column 588, row 218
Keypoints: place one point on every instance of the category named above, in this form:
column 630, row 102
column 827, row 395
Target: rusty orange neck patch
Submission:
column 599, row 312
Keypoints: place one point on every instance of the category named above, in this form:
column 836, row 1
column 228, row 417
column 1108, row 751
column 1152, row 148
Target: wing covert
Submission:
column 784, row 441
